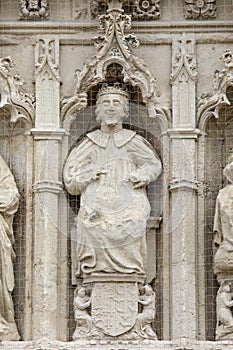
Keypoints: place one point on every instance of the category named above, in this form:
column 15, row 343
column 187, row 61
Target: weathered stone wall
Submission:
column 186, row 286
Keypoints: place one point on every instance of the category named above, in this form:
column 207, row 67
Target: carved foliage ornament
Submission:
column 210, row 104
column 139, row 9
column 46, row 54
column 33, row 9
column 12, row 96
column 184, row 59
column 200, row 9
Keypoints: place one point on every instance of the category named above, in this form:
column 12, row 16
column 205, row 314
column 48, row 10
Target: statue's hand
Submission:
column 139, row 184
column 138, row 178
column 98, row 173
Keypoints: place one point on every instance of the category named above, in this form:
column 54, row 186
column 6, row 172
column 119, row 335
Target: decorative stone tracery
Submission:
column 200, row 9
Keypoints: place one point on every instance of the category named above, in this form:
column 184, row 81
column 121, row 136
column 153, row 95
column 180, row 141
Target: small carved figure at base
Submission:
column 146, row 317
column 224, row 301
column 82, row 318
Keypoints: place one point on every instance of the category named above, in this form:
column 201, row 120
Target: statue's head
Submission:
column 112, row 105
column 228, row 170
column 225, row 286
column 81, row 292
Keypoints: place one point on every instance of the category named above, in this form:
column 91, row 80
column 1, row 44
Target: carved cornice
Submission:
column 46, row 57
column 200, row 9
column 209, row 105
column 114, row 47
column 33, row 9
column 185, row 59
column 12, row 96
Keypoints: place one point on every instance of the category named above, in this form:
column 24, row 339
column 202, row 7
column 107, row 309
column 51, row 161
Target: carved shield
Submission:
column 114, row 306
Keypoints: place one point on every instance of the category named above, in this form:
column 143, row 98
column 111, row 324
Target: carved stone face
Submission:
column 81, row 292
column 111, row 109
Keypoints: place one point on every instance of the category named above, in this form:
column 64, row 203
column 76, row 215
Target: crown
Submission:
column 115, row 89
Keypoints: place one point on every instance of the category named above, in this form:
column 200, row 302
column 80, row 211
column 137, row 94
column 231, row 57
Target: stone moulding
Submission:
column 209, row 105
column 200, row 9
column 33, row 9
column 12, row 97
column 114, row 47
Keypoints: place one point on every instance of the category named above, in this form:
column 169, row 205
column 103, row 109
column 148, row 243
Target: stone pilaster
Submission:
column 183, row 189
column 47, row 187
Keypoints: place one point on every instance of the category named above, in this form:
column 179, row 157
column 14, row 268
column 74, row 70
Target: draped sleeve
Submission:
column 80, row 168
column 143, row 156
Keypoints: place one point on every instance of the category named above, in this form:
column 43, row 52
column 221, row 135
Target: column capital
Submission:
column 183, row 185
column 48, row 186
column 180, row 133
column 48, row 134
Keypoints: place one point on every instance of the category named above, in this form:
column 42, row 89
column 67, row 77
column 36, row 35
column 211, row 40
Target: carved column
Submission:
column 47, row 186
column 183, row 189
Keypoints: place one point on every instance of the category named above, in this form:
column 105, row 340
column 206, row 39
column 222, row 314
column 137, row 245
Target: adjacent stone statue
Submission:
column 110, row 169
column 9, row 198
column 223, row 259
column 223, row 228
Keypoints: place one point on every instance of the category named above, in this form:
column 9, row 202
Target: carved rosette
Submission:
column 13, row 98
column 139, row 9
column 114, row 47
column 146, row 9
column 200, row 9
column 33, row 9
column 210, row 104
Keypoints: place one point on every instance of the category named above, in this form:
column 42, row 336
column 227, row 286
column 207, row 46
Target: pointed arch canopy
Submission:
column 210, row 105
column 18, row 104
column 115, row 47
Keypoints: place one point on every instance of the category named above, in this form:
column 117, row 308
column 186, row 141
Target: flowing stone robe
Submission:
column 9, row 198
column 111, row 223
column 223, row 227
